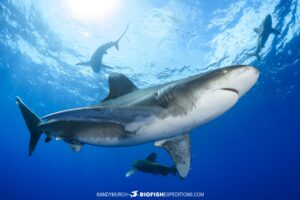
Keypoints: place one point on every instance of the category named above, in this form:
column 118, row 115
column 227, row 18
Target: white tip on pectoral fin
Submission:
column 179, row 149
column 130, row 172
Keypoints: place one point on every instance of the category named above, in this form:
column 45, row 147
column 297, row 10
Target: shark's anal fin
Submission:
column 76, row 147
column 180, row 151
column 152, row 157
column 119, row 85
column 255, row 30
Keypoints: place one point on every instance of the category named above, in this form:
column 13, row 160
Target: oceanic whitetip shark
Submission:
column 163, row 114
column 263, row 31
column 96, row 60
column 149, row 165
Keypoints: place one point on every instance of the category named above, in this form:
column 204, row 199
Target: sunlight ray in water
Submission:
column 93, row 10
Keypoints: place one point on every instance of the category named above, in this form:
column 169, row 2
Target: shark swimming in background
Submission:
column 263, row 31
column 96, row 60
column 163, row 114
column 149, row 165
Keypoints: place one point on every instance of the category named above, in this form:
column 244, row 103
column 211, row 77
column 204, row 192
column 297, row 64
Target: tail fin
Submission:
column 118, row 40
column 83, row 63
column 31, row 120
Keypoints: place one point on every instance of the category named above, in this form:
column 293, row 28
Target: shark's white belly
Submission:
column 208, row 107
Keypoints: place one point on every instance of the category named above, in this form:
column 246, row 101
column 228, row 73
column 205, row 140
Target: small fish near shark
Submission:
column 263, row 31
column 149, row 165
column 96, row 60
column 163, row 114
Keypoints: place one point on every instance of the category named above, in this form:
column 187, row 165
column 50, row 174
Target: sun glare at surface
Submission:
column 93, row 10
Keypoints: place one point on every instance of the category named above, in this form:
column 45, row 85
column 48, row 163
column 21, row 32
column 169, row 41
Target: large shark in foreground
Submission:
column 163, row 114
column 264, row 31
column 96, row 60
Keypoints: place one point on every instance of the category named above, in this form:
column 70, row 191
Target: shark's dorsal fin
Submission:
column 119, row 85
column 179, row 149
column 152, row 157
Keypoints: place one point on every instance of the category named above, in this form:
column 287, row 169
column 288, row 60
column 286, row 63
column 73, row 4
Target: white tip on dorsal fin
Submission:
column 179, row 149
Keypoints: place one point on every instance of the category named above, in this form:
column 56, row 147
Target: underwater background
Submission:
column 251, row 152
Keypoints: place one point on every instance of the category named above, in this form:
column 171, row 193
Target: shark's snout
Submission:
column 238, row 79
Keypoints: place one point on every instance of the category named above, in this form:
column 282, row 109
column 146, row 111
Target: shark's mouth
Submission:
column 231, row 90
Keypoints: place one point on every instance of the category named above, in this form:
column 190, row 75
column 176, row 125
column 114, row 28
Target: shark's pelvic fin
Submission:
column 180, row 151
column 152, row 157
column 32, row 121
column 76, row 147
column 119, row 85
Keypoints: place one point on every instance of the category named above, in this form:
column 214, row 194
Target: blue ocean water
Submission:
column 251, row 152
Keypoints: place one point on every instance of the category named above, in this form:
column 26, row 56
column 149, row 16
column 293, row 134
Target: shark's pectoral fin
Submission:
column 275, row 31
column 130, row 172
column 255, row 30
column 76, row 147
column 180, row 151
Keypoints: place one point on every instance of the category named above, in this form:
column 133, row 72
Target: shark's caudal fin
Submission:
column 83, row 63
column 118, row 40
column 31, row 120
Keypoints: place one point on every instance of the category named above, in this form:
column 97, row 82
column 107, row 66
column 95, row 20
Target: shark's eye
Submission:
column 224, row 71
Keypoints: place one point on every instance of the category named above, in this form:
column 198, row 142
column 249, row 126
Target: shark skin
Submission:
column 163, row 114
